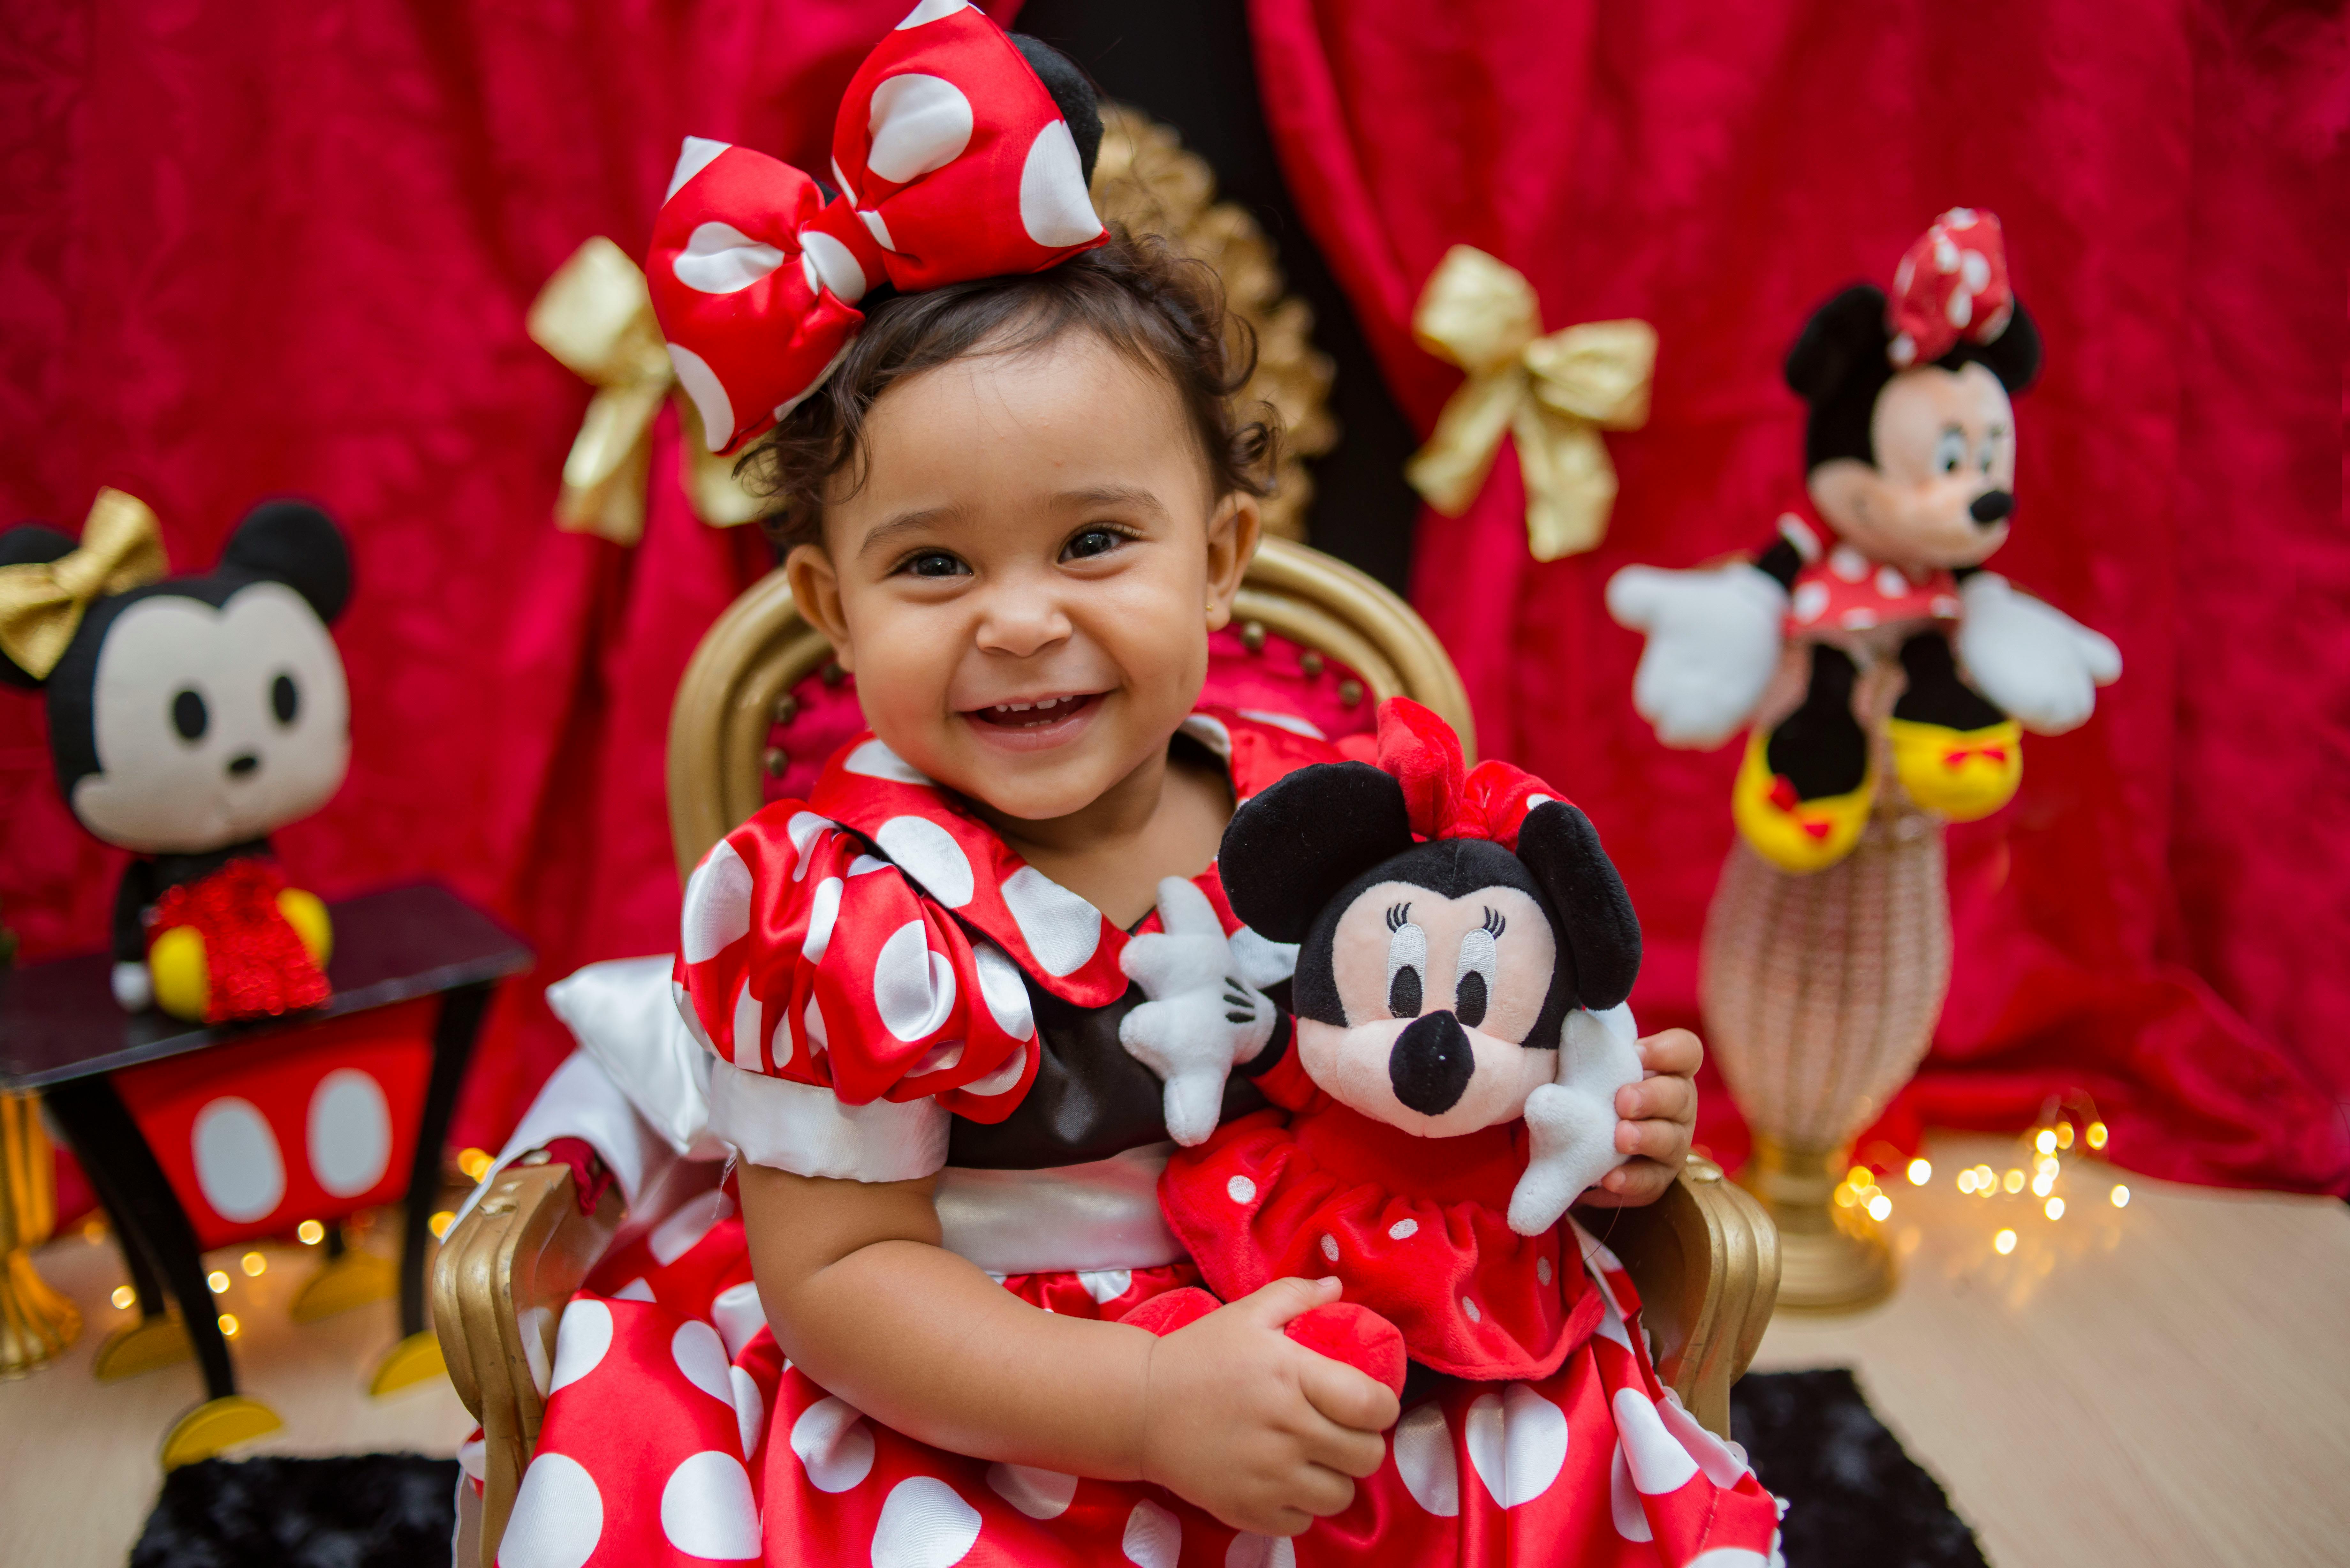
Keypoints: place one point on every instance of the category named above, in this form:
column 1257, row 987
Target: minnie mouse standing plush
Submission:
column 1909, row 453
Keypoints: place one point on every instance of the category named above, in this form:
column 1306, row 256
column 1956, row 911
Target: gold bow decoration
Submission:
column 596, row 317
column 1553, row 392
column 42, row 602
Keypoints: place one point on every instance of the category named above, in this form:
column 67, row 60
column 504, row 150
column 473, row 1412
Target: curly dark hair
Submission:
column 1141, row 297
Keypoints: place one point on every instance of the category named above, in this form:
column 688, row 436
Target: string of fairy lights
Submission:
column 2056, row 1151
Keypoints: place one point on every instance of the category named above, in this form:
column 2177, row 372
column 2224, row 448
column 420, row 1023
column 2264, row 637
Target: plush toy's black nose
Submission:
column 1990, row 506
column 1430, row 1064
column 243, row 763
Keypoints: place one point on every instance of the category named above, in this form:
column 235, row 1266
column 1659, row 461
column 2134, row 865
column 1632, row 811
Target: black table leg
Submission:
column 452, row 1048
column 104, row 1137
column 146, row 1279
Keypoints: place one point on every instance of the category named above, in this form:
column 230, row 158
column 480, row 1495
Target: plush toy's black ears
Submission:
column 1844, row 335
column 1072, row 90
column 1560, row 846
column 293, row 543
column 2015, row 355
column 30, row 545
column 1290, row 850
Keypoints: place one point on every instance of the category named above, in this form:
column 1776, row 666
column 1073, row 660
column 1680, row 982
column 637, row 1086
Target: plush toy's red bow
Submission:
column 1952, row 283
column 952, row 164
column 1445, row 797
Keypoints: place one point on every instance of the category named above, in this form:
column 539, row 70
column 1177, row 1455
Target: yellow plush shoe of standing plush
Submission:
column 1794, row 835
column 1962, row 774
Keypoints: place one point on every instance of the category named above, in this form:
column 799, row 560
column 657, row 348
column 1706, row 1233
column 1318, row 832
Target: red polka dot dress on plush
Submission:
column 1839, row 589
column 879, row 945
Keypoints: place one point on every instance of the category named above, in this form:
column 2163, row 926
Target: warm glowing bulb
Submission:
column 1859, row 1175
column 228, row 1325
column 93, row 1230
column 218, row 1281
column 1879, row 1207
column 2096, row 1134
column 253, row 1263
column 1967, row 1180
column 2121, row 1197
column 1844, row 1195
column 474, row 1163
column 442, row 1222
column 2042, row 1184
column 2046, row 1142
column 2047, row 1165
column 2003, row 1243
column 1921, row 1171
column 311, row 1232
column 123, row 1296
column 2056, row 1208
column 2063, row 1134
column 2014, row 1181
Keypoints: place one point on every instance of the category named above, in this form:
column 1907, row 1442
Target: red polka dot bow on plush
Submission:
column 1952, row 283
column 1445, row 797
column 954, row 162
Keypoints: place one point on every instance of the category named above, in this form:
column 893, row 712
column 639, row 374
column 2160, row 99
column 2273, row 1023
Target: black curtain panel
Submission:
column 1188, row 63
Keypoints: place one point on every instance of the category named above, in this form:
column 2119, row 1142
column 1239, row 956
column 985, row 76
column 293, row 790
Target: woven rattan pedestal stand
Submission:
column 1819, row 994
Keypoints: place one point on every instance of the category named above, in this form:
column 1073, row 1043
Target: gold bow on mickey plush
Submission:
column 41, row 603
column 595, row 315
column 1555, row 393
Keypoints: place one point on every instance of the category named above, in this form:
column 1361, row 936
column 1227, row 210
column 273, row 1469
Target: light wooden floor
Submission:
column 2167, row 1383
column 2163, row 1384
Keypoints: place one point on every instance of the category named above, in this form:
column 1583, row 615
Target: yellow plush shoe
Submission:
column 1798, row 836
column 307, row 913
column 183, row 981
column 1961, row 774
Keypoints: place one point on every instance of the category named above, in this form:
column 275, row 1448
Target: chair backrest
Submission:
column 762, row 669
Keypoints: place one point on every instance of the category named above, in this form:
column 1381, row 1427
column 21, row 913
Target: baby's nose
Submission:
column 1430, row 1064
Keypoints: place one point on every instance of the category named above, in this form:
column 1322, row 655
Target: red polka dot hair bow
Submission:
column 1445, row 797
column 954, row 161
column 1952, row 283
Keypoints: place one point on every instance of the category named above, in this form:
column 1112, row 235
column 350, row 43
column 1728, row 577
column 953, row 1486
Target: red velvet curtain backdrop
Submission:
column 262, row 247
column 2159, row 918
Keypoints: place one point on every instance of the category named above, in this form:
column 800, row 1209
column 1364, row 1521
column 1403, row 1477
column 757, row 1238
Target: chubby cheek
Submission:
column 1356, row 1067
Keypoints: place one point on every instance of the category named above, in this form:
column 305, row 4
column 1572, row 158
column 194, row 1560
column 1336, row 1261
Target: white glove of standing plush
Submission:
column 1571, row 1120
column 1713, row 642
column 2031, row 659
column 1204, row 1014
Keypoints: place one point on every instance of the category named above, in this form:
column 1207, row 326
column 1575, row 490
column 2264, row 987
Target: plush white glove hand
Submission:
column 1713, row 643
column 2031, row 659
column 1202, row 1016
column 1572, row 1121
column 133, row 987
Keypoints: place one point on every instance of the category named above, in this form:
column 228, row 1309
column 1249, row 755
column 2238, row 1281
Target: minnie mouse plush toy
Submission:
column 190, row 718
column 1910, row 457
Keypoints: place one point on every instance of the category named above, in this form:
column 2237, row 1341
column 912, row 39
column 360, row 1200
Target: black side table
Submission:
column 62, row 1037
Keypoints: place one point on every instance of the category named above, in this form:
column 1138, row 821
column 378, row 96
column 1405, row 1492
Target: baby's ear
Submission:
column 1560, row 846
column 32, row 545
column 1290, row 850
column 293, row 543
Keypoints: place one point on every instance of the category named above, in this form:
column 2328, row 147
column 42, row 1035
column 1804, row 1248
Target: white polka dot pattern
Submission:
column 916, row 123
column 834, row 1445
column 737, row 1314
column 924, row 1524
column 1054, row 207
column 700, row 1358
column 929, row 854
column 238, row 1168
column 1423, row 1458
column 1153, row 1538
column 557, row 1518
column 706, row 1509
column 1658, row 1463
column 1061, row 928
column 717, row 904
column 581, row 1338
column 1039, row 1494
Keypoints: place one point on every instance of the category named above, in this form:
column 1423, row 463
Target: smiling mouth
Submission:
column 1041, row 713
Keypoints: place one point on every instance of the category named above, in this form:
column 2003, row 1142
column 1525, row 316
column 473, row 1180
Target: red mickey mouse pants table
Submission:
column 197, row 1137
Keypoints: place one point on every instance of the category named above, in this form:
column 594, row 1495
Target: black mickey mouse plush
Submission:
column 189, row 718
column 1449, row 1088
column 1910, row 454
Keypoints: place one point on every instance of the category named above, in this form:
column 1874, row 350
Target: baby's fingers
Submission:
column 1673, row 1051
column 1350, row 1398
column 1631, row 1184
column 1662, row 1098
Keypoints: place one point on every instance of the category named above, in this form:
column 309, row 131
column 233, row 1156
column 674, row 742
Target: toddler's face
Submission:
column 1025, row 580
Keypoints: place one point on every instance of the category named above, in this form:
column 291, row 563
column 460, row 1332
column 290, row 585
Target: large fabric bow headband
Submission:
column 952, row 163
column 42, row 603
column 1952, row 283
column 1444, row 797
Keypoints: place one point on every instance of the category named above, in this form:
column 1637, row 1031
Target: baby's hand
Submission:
column 1659, row 1114
column 1248, row 1424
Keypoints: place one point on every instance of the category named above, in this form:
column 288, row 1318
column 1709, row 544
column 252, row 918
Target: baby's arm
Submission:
column 1658, row 1118
column 1230, row 1412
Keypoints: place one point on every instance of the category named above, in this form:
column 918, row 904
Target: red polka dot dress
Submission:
column 890, row 992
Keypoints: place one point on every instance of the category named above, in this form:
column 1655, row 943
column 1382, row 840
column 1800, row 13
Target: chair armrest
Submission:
column 1705, row 1259
column 499, row 1286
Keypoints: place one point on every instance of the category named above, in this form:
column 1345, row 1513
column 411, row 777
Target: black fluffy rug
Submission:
column 1854, row 1499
